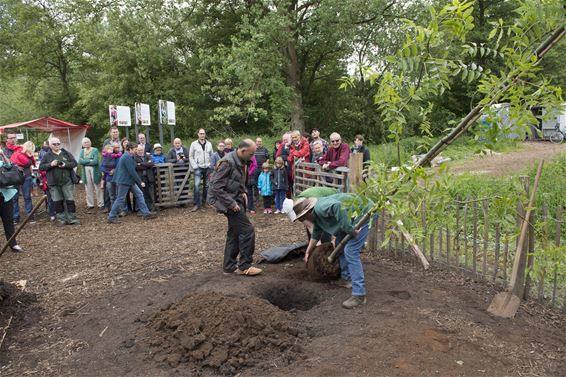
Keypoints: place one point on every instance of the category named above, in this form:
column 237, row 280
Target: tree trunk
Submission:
column 294, row 81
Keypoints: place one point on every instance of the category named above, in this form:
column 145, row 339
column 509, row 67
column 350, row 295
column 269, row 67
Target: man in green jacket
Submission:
column 337, row 215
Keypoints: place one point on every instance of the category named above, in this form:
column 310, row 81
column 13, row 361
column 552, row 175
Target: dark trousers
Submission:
column 7, row 215
column 240, row 239
column 267, row 201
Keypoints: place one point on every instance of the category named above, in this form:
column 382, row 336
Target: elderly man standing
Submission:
column 228, row 195
column 147, row 147
column 337, row 155
column 200, row 156
column 58, row 165
column 329, row 215
column 179, row 154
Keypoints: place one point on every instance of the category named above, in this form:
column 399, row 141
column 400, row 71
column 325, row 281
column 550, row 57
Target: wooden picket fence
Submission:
column 172, row 185
column 474, row 243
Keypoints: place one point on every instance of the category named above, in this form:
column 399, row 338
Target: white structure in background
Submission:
column 549, row 125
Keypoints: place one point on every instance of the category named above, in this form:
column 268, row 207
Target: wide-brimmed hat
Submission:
column 303, row 206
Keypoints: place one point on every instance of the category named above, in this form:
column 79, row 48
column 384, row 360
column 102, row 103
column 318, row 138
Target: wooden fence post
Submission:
column 520, row 284
column 485, row 206
column 355, row 163
column 558, row 221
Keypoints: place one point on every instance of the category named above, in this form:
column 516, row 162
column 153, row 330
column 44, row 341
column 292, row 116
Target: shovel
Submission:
column 505, row 304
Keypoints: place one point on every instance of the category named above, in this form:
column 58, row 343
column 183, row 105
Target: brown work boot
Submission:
column 354, row 301
column 252, row 271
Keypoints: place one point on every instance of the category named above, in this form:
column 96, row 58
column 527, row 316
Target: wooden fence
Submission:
column 344, row 179
column 172, row 185
column 473, row 241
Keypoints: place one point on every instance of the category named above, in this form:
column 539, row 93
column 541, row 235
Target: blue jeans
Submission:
column 50, row 205
column 351, row 263
column 121, row 200
column 26, row 189
column 201, row 175
column 279, row 198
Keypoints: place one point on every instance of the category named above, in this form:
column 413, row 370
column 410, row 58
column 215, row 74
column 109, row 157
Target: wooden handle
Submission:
column 26, row 220
column 523, row 234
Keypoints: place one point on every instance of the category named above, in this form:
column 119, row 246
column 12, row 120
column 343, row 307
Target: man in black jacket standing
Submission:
column 58, row 165
column 227, row 194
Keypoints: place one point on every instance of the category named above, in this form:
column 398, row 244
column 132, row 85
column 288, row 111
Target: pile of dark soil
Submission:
column 225, row 333
column 319, row 266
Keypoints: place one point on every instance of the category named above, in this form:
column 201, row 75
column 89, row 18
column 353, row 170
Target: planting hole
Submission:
column 289, row 297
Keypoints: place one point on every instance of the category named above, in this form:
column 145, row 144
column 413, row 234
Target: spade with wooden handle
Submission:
column 505, row 304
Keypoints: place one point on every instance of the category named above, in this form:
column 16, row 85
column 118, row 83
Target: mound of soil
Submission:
column 318, row 264
column 225, row 333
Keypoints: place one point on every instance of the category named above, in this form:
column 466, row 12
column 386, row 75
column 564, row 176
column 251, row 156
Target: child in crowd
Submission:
column 228, row 146
column 279, row 183
column 110, row 156
column 277, row 145
column 264, row 186
column 157, row 156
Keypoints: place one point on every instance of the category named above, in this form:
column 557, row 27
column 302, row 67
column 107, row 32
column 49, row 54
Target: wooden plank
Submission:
column 355, row 164
column 448, row 247
column 457, row 237
column 557, row 230
column 431, row 246
column 485, row 207
column 506, row 258
column 475, row 239
column 530, row 260
column 497, row 251
column 465, row 232
column 424, row 225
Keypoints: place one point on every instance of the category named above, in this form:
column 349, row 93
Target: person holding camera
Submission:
column 61, row 178
column 179, row 154
column 127, row 180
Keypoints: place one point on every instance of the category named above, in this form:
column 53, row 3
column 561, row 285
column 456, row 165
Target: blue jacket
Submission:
column 158, row 159
column 126, row 171
column 279, row 179
column 264, row 184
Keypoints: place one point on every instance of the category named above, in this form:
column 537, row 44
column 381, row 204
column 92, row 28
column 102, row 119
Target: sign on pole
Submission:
column 171, row 120
column 120, row 116
column 142, row 114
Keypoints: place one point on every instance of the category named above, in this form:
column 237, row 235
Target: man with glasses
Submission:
column 337, row 155
column 58, row 165
column 11, row 145
column 200, row 155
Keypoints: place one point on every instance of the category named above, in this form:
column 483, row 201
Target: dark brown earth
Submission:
column 96, row 292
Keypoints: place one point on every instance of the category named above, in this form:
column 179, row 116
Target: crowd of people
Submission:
column 120, row 179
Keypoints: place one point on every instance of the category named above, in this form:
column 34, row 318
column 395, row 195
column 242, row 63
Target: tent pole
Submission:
column 69, row 137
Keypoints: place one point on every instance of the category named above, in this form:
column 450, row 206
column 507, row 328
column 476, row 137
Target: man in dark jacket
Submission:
column 144, row 167
column 11, row 145
column 227, row 194
column 179, row 154
column 128, row 179
column 58, row 165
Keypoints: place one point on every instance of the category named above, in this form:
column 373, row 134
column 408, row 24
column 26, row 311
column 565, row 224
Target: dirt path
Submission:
column 512, row 162
column 93, row 289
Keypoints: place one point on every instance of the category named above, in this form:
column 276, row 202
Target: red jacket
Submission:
column 302, row 150
column 23, row 160
column 336, row 156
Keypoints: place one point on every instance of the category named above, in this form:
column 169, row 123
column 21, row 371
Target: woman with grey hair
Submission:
column 90, row 174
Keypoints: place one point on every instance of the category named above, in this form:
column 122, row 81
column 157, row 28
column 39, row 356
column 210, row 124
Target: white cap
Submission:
column 155, row 146
column 288, row 209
